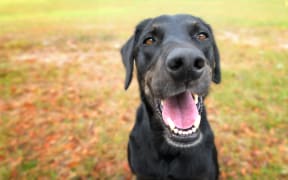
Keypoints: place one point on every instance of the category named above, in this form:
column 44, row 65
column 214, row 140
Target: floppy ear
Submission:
column 217, row 71
column 127, row 59
column 216, row 76
column 128, row 52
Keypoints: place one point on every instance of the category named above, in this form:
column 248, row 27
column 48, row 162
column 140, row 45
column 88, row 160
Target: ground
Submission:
column 64, row 111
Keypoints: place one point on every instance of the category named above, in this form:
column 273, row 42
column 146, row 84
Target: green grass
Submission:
column 64, row 113
column 241, row 13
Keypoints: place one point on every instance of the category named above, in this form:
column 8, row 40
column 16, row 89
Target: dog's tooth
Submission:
column 197, row 122
column 190, row 131
column 171, row 123
column 175, row 131
column 196, row 98
column 193, row 130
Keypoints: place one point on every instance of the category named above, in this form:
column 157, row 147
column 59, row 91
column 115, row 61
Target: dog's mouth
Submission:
column 181, row 116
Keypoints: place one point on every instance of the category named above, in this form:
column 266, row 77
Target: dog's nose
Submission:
column 184, row 64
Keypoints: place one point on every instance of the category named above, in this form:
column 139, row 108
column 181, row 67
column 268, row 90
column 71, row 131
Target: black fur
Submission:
column 149, row 155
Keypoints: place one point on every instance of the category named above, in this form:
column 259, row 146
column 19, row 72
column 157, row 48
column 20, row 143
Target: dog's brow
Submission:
column 193, row 23
column 157, row 26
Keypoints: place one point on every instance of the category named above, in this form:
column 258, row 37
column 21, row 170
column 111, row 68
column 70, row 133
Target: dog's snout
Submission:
column 185, row 64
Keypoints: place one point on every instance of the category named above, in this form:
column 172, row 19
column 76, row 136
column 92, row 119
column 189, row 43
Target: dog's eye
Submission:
column 149, row 41
column 202, row 36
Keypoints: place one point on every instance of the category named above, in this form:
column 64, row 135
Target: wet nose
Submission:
column 185, row 64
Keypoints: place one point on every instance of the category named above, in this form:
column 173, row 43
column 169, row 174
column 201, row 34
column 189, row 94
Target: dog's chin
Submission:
column 182, row 142
column 180, row 117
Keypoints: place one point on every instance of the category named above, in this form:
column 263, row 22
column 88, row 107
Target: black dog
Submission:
column 176, row 59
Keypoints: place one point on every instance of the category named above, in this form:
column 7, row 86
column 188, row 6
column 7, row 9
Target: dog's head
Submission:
column 176, row 59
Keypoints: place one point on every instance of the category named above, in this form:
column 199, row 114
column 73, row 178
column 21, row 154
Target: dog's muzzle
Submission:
column 181, row 116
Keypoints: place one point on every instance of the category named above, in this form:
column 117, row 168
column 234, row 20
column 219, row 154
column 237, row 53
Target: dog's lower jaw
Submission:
column 163, row 135
column 184, row 145
column 174, row 137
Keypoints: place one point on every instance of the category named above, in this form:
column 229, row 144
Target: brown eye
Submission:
column 202, row 36
column 149, row 41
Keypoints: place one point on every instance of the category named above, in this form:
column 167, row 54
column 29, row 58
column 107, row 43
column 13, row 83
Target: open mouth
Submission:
column 181, row 117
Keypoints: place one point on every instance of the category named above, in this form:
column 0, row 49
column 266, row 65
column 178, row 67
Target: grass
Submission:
column 64, row 113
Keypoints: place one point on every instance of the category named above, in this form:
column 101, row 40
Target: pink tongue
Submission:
column 181, row 109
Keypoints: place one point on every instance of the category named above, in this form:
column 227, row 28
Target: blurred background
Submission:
column 64, row 111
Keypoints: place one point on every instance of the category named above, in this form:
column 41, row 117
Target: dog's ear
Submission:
column 216, row 74
column 128, row 52
column 217, row 70
column 127, row 59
